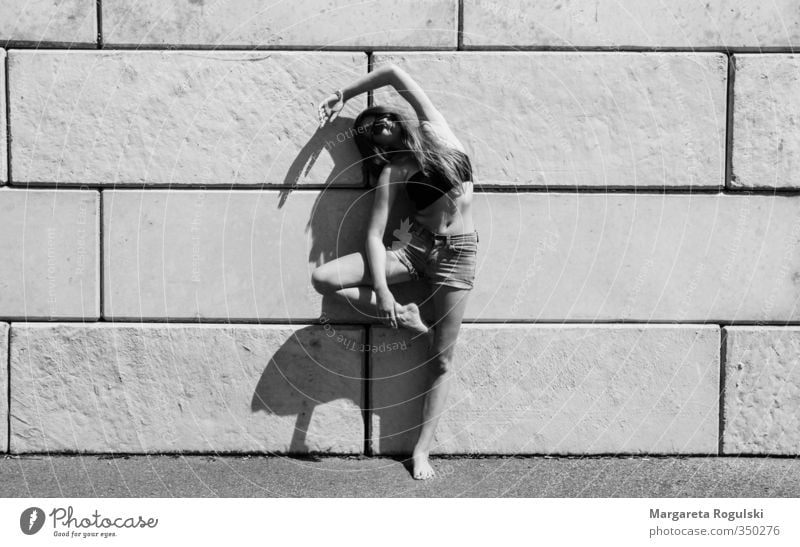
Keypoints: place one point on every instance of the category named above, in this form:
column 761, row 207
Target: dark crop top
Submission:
column 423, row 191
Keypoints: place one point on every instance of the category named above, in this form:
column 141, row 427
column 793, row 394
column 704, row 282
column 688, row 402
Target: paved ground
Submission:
column 260, row 476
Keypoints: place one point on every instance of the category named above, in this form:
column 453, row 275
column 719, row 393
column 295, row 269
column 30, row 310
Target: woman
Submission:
column 429, row 163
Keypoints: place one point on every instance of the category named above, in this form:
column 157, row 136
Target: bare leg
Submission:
column 449, row 304
column 349, row 279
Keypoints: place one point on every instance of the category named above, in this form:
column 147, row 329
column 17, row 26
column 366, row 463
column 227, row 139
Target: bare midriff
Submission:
column 451, row 214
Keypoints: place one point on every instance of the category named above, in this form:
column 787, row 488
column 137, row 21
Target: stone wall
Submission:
column 166, row 193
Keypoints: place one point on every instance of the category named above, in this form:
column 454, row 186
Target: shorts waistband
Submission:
column 445, row 238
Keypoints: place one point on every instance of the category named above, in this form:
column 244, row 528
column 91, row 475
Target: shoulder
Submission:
column 396, row 172
column 400, row 170
column 439, row 130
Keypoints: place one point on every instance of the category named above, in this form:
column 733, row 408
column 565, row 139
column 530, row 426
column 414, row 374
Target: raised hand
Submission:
column 329, row 109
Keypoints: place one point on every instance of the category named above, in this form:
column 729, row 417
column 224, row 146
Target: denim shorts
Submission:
column 440, row 259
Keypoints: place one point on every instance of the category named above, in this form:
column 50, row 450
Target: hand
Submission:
column 386, row 308
column 329, row 108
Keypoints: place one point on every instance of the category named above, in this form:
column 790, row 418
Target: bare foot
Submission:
column 408, row 316
column 422, row 467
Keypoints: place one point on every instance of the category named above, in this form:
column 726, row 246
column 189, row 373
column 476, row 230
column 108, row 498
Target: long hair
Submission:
column 433, row 154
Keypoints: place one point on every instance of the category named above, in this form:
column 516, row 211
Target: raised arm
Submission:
column 388, row 74
column 385, row 193
column 414, row 95
column 329, row 108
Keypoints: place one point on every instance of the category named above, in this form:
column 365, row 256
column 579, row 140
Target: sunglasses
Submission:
column 371, row 128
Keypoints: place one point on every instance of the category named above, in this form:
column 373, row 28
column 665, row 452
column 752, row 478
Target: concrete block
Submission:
column 557, row 389
column 315, row 23
column 656, row 258
column 543, row 257
column 223, row 255
column 61, row 22
column 766, row 122
column 185, row 388
column 762, row 391
column 3, row 387
column 553, row 119
column 50, row 243
column 175, row 118
column 3, row 124
column 631, row 23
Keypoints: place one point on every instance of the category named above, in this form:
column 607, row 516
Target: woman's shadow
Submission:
column 319, row 374
column 312, row 370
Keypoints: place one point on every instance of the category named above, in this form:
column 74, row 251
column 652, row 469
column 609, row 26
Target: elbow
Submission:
column 374, row 241
column 392, row 73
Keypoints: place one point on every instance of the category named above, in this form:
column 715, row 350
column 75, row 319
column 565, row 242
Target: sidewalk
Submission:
column 275, row 476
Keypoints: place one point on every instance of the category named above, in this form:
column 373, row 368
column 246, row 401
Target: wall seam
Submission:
column 367, row 394
column 69, row 46
column 635, row 49
column 728, row 182
column 449, row 456
column 276, row 48
column 100, row 254
column 479, row 188
column 8, row 390
column 723, row 356
column 99, row 12
column 460, row 26
column 7, row 92
column 191, row 320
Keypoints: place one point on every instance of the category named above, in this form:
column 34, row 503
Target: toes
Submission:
column 425, row 472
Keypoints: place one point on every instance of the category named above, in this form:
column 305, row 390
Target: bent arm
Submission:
column 430, row 119
column 411, row 91
column 405, row 85
column 372, row 80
